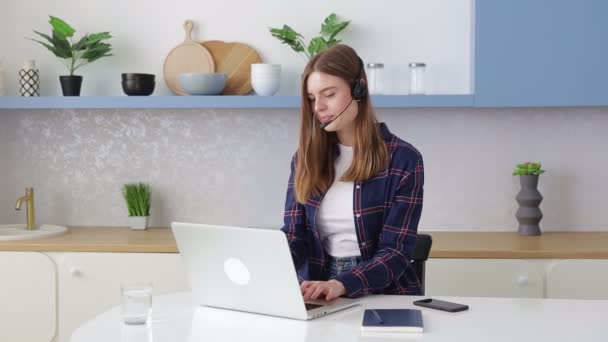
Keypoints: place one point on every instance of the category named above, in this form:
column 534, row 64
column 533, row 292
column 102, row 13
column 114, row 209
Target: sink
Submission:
column 18, row 232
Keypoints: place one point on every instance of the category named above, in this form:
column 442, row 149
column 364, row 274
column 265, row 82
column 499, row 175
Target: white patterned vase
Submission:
column 29, row 79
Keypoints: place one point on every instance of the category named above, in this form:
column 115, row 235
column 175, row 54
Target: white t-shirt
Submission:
column 335, row 220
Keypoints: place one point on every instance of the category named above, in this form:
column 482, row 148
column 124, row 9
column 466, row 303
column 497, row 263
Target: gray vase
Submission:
column 529, row 198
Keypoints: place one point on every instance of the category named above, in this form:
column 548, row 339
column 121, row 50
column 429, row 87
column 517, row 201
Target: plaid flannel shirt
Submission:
column 386, row 211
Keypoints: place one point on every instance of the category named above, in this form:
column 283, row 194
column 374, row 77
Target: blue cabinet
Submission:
column 541, row 53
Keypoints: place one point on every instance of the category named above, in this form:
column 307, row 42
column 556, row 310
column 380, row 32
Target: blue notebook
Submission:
column 392, row 320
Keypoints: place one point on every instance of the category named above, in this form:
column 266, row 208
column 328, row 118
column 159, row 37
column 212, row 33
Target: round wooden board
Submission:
column 187, row 57
column 233, row 59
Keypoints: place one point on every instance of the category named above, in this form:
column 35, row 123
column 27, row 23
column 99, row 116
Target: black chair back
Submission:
column 421, row 254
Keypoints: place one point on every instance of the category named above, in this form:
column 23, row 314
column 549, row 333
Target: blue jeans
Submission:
column 335, row 266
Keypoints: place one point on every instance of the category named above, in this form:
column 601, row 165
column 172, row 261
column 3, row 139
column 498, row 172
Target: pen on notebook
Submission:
column 377, row 316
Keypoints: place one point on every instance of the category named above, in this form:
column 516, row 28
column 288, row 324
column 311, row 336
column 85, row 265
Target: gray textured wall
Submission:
column 231, row 166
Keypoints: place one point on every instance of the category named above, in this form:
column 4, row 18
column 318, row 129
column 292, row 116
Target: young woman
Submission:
column 354, row 197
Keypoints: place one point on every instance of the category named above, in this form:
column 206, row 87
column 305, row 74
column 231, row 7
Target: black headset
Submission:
column 359, row 89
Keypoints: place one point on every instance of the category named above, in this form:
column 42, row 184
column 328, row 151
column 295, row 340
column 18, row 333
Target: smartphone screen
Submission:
column 441, row 305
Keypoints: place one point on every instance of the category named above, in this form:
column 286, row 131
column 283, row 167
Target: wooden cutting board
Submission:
column 233, row 59
column 188, row 56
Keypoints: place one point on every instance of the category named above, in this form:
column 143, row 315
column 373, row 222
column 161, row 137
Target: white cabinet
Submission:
column 484, row 278
column 57, row 292
column 28, row 299
column 537, row 278
column 89, row 283
column 578, row 279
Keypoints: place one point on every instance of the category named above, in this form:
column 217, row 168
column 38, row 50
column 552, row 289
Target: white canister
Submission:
column 375, row 78
column 417, row 78
column 2, row 89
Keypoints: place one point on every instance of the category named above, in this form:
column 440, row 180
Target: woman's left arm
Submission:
column 398, row 238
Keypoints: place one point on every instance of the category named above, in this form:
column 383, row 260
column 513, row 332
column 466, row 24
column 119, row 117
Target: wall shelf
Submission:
column 236, row 102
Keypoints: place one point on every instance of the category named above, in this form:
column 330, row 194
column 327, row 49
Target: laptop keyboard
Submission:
column 311, row 306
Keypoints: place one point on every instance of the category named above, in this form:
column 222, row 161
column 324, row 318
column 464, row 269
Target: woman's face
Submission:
column 328, row 96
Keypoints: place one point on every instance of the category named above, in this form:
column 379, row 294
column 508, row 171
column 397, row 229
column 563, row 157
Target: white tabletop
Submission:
column 175, row 318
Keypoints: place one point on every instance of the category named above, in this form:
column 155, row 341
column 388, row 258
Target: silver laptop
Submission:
column 246, row 269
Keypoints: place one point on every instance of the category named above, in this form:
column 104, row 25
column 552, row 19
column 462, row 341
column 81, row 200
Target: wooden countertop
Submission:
column 100, row 239
column 482, row 245
column 510, row 245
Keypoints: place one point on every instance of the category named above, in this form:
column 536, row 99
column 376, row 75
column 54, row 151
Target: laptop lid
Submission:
column 244, row 269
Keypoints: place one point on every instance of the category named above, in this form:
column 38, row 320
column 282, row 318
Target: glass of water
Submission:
column 136, row 302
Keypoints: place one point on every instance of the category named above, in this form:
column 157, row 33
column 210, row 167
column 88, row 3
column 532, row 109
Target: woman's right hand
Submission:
column 328, row 289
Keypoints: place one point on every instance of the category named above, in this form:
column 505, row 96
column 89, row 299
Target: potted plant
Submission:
column 72, row 54
column 137, row 197
column 529, row 214
column 330, row 28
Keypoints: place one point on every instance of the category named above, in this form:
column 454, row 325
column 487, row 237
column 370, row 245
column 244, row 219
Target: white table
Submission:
column 176, row 319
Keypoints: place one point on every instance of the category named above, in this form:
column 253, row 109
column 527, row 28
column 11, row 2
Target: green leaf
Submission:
column 288, row 36
column 51, row 48
column 317, row 45
column 97, row 52
column 62, row 28
column 62, row 45
column 95, row 37
column 331, row 26
column 45, row 36
column 333, row 42
column 81, row 44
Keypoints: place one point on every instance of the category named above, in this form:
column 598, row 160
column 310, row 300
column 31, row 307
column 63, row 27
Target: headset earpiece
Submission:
column 359, row 89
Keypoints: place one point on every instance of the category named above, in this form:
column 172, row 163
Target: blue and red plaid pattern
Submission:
column 386, row 211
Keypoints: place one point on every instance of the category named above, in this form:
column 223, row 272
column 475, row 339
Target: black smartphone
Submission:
column 441, row 305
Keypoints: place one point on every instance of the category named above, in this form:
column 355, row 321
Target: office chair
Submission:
column 421, row 254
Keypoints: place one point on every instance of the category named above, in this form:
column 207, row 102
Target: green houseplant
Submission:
column 74, row 54
column 529, row 198
column 138, row 199
column 528, row 168
column 330, row 28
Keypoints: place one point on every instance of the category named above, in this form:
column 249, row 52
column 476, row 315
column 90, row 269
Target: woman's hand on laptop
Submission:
column 329, row 289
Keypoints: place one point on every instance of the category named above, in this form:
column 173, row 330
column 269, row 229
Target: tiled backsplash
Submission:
column 231, row 167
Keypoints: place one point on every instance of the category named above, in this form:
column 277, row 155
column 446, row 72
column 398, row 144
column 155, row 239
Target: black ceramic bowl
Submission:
column 138, row 87
column 137, row 77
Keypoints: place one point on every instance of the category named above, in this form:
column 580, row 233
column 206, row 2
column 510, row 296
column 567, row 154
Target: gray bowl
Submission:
column 202, row 84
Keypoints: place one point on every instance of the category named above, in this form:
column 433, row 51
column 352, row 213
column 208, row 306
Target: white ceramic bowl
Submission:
column 265, row 67
column 266, row 79
column 266, row 87
column 260, row 75
column 202, row 84
column 265, row 75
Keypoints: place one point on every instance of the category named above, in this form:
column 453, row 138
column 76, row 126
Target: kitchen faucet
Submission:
column 29, row 203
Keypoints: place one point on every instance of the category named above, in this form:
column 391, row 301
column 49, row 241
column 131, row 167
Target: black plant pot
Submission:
column 71, row 85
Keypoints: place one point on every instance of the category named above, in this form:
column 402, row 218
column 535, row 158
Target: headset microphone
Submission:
column 324, row 124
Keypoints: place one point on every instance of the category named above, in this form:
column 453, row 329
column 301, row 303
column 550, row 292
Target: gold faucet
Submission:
column 29, row 203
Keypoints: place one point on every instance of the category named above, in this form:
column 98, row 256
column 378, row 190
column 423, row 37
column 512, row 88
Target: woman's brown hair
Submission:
column 317, row 148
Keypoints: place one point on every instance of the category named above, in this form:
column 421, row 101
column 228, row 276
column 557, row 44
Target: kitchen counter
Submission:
column 482, row 245
column 100, row 239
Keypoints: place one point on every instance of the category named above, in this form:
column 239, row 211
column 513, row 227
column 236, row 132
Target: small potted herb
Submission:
column 528, row 169
column 529, row 214
column 72, row 54
column 137, row 197
column 330, row 29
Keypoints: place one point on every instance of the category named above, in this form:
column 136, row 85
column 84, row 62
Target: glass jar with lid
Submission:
column 375, row 78
column 2, row 91
column 417, row 84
